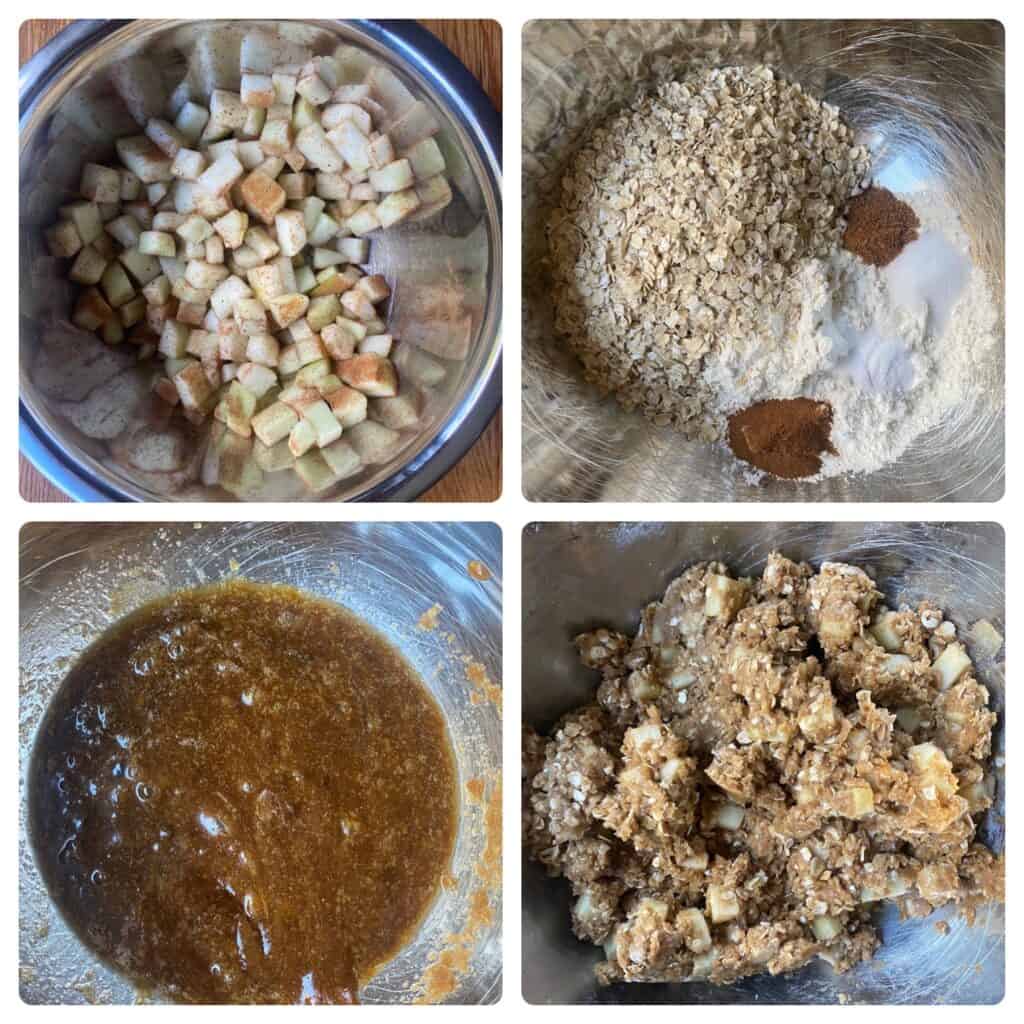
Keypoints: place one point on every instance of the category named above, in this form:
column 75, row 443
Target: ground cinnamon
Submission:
column 784, row 437
column 879, row 226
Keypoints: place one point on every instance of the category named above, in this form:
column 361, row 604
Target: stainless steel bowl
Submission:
column 929, row 98
column 581, row 575
column 78, row 579
column 91, row 84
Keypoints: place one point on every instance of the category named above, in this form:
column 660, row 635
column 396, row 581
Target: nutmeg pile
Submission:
column 879, row 226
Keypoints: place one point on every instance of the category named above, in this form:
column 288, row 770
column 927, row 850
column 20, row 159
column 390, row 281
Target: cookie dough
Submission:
column 765, row 762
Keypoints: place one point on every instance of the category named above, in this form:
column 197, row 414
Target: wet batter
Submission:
column 243, row 794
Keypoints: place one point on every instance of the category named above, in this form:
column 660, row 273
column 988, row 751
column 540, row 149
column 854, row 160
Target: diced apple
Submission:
column 88, row 267
column 191, row 121
column 257, row 90
column 264, row 349
column 394, row 177
column 396, row 206
column 317, row 148
column 287, row 308
column 234, row 345
column 382, row 152
column 323, row 259
column 364, row 220
column 277, row 137
column 266, row 282
column 165, row 137
column 232, row 227
column 227, row 114
column 291, row 232
column 426, row 159
column 302, row 438
column 87, row 221
column 418, row 366
column 133, row 311
column 324, row 423
column 256, row 378
column 331, row 185
column 273, row 459
column 131, row 186
column 261, row 241
column 214, row 249
column 287, row 272
column 227, row 294
column 434, row 195
column 826, row 928
column 348, row 405
column 91, row 310
column 195, row 229
column 157, row 243
column 263, row 196
column 221, row 175
column 373, row 375
column 376, row 344
column 314, row 472
column 143, row 267
column 274, row 423
column 950, row 665
column 239, row 407
column 188, row 164
column 415, row 125
column 296, row 186
column 116, row 286
column 322, row 311
column 141, row 211
column 250, row 316
column 355, row 250
column 100, row 184
column 312, row 88
column 63, row 239
column 324, row 230
column 194, row 388
column 339, row 341
column 352, row 144
column 205, row 276
column 191, row 312
column 284, row 87
column 399, row 413
column 144, row 159
column 356, row 305
column 722, row 904
column 373, row 442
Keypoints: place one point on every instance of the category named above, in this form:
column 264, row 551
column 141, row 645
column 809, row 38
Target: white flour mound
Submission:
column 892, row 349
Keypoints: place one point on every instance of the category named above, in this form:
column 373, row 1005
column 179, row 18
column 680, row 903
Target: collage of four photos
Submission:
column 285, row 278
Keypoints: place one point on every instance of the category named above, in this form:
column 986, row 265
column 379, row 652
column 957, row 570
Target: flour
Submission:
column 892, row 349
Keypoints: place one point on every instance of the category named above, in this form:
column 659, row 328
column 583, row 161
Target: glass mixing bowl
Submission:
column 76, row 580
column 928, row 98
column 579, row 576
column 75, row 95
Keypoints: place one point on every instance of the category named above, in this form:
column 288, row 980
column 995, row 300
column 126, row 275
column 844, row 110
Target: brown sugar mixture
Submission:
column 784, row 437
column 765, row 762
column 879, row 226
column 242, row 794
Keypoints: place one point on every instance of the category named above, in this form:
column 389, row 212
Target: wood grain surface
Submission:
column 477, row 43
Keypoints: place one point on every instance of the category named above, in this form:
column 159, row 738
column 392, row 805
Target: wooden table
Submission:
column 477, row 477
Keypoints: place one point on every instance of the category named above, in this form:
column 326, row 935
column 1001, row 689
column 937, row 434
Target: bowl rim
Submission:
column 466, row 103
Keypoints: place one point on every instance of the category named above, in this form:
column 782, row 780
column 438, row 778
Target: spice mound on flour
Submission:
column 783, row 437
column 681, row 221
column 879, row 226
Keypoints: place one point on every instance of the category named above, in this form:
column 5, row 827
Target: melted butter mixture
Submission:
column 244, row 794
